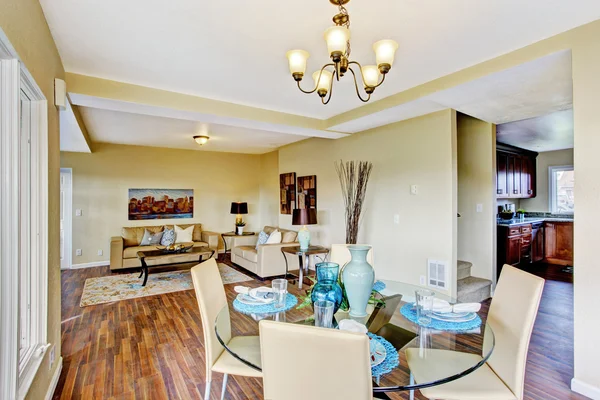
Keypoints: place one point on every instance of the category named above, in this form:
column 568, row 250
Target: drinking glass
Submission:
column 324, row 313
column 280, row 290
column 424, row 306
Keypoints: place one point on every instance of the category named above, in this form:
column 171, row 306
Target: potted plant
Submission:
column 239, row 227
column 506, row 214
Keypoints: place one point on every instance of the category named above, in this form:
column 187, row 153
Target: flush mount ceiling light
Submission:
column 201, row 139
column 338, row 46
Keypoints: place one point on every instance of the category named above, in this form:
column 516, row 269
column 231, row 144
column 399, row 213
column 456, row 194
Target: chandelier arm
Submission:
column 330, row 89
column 318, row 80
column 356, row 86
column 363, row 77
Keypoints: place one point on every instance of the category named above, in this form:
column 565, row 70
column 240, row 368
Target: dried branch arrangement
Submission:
column 354, row 177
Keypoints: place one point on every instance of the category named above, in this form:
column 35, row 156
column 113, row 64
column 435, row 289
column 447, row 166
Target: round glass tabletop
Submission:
column 427, row 357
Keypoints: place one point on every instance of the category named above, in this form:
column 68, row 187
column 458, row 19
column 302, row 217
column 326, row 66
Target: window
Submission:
column 562, row 188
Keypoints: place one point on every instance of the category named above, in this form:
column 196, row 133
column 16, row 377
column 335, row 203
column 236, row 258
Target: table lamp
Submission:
column 304, row 216
column 239, row 208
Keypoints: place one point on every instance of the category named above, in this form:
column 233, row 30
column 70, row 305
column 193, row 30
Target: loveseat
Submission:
column 124, row 248
column 266, row 260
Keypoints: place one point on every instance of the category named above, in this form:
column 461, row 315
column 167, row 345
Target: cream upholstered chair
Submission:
column 511, row 317
column 340, row 254
column 211, row 299
column 335, row 364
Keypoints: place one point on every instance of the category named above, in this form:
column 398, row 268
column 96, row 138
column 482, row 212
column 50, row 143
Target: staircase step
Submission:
column 473, row 289
column 463, row 269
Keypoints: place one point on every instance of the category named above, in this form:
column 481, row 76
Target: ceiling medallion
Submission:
column 338, row 45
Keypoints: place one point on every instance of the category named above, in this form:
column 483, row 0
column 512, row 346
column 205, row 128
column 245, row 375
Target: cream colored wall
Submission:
column 544, row 160
column 24, row 24
column 101, row 181
column 269, row 189
column 420, row 151
column 476, row 185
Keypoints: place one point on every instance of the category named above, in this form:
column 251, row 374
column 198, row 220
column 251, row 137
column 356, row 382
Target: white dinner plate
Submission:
column 378, row 352
column 467, row 318
column 452, row 314
column 251, row 301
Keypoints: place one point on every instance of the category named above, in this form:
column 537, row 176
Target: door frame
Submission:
column 68, row 219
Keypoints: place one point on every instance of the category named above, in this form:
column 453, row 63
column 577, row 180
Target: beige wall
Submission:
column 545, row 160
column 24, row 24
column 420, row 151
column 101, row 181
column 476, row 185
column 269, row 189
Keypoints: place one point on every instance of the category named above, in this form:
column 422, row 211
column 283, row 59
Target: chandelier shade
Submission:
column 337, row 39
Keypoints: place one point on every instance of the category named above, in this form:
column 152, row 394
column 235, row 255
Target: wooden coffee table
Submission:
column 161, row 258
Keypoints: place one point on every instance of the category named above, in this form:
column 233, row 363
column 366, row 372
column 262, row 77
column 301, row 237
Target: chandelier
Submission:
column 338, row 45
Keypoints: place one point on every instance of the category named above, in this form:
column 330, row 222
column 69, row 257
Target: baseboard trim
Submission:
column 54, row 381
column 90, row 264
column 585, row 389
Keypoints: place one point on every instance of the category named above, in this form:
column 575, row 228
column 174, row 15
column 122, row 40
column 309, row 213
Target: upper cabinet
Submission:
column 515, row 172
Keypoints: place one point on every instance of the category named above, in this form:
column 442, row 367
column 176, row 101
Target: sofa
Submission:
column 267, row 260
column 124, row 248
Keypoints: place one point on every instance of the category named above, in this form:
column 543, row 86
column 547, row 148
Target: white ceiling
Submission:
column 546, row 133
column 110, row 126
column 235, row 50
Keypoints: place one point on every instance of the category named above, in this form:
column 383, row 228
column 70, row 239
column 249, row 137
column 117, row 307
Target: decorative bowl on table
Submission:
column 177, row 248
column 507, row 215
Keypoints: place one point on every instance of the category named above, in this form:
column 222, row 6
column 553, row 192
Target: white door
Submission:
column 65, row 218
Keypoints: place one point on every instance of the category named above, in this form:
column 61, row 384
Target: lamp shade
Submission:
column 337, row 38
column 239, row 208
column 304, row 216
column 385, row 50
column 370, row 75
column 297, row 61
column 325, row 80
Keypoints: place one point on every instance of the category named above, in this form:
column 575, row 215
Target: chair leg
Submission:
column 412, row 382
column 224, row 388
column 207, row 390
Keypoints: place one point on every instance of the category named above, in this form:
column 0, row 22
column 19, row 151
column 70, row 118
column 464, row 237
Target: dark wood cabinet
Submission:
column 515, row 172
column 514, row 245
column 537, row 242
column 559, row 243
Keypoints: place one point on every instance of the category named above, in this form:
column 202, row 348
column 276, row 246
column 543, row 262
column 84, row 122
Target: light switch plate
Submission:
column 78, row 252
column 396, row 218
column 479, row 208
column 100, row 252
column 78, row 212
column 422, row 280
column 52, row 357
column 414, row 189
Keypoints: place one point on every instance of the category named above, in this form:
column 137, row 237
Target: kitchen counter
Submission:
column 531, row 220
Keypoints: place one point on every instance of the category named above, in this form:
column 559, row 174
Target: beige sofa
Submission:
column 124, row 248
column 267, row 260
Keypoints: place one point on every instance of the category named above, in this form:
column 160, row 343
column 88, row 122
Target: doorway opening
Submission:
column 66, row 221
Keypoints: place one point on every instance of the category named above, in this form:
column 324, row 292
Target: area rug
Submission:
column 107, row 289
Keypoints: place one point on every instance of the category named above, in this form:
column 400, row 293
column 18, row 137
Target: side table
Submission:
column 230, row 234
column 303, row 255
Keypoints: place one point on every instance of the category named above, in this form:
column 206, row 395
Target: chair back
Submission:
column 334, row 364
column 511, row 317
column 211, row 300
column 340, row 254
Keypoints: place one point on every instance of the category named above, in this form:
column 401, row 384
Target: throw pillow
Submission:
column 288, row 237
column 262, row 239
column 274, row 237
column 168, row 237
column 151, row 239
column 184, row 235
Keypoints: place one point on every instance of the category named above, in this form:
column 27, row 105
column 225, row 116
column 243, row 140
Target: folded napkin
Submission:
column 352, row 326
column 442, row 306
column 261, row 294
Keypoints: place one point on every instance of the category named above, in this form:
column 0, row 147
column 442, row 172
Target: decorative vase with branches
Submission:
column 354, row 177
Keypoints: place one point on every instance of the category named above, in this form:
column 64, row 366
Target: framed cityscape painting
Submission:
column 161, row 203
column 307, row 191
column 287, row 189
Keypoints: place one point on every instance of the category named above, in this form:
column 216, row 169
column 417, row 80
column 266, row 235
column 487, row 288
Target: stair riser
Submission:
column 476, row 296
column 463, row 273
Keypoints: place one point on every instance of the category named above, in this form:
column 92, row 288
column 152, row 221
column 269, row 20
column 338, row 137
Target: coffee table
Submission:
column 160, row 258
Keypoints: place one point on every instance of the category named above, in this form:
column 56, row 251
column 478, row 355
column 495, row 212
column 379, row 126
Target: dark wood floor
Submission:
column 151, row 347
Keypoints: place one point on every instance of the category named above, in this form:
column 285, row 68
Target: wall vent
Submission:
column 437, row 274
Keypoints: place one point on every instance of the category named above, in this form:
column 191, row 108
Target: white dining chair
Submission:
column 211, row 300
column 340, row 254
column 511, row 317
column 304, row 362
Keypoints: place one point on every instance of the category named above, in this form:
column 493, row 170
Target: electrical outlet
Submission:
column 414, row 189
column 78, row 212
column 479, row 208
column 78, row 252
column 52, row 357
column 422, row 280
column 100, row 252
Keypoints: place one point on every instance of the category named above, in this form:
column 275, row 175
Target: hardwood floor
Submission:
column 151, row 347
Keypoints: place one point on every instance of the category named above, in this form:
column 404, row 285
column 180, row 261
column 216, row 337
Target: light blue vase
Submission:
column 358, row 277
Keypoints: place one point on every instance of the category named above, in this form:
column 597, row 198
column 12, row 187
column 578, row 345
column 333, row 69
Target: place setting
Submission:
column 264, row 300
column 439, row 314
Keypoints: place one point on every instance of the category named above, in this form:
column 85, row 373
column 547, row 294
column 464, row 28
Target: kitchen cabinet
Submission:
column 515, row 172
column 514, row 245
column 537, row 242
column 559, row 243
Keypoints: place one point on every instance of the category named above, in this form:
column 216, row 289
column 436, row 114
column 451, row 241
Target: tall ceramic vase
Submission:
column 358, row 277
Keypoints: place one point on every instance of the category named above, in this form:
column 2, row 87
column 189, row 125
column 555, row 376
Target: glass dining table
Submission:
column 388, row 322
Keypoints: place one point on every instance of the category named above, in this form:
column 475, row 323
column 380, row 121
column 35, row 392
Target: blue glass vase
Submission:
column 358, row 277
column 327, row 287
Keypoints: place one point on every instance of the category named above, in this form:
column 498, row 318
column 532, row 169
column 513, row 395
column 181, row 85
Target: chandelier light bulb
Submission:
column 336, row 38
column 297, row 60
column 370, row 75
column 385, row 50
